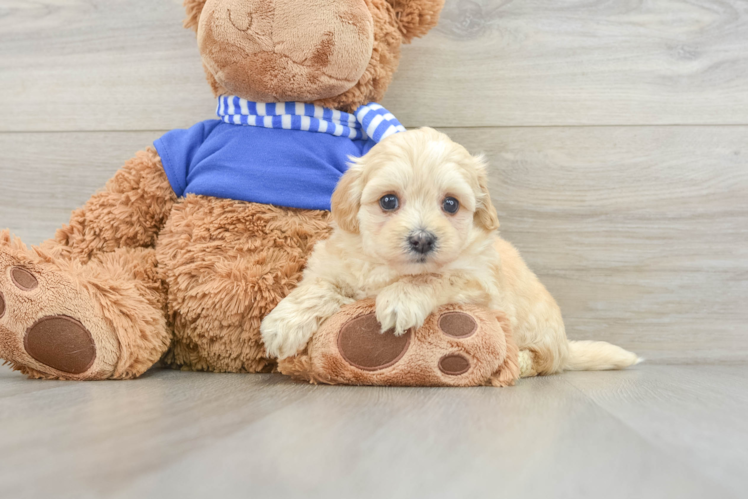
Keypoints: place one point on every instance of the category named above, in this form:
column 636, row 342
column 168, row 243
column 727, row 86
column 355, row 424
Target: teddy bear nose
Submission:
column 422, row 242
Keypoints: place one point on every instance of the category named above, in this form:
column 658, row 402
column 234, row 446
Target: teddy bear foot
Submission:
column 48, row 326
column 459, row 345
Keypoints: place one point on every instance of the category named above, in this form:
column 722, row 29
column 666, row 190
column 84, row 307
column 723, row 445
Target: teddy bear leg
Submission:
column 88, row 304
column 63, row 320
column 227, row 264
column 458, row 345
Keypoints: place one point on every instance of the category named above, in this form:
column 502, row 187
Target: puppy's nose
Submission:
column 422, row 242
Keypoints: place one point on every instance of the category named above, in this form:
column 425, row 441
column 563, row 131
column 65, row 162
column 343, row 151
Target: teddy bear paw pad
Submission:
column 362, row 344
column 454, row 364
column 457, row 324
column 23, row 279
column 49, row 327
column 62, row 343
column 56, row 341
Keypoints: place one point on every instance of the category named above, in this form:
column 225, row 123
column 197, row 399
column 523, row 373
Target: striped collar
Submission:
column 371, row 121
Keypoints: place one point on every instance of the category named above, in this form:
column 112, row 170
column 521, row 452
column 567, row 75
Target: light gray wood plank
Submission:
column 46, row 176
column 195, row 434
column 729, row 369
column 639, row 232
column 578, row 62
column 99, row 65
column 433, row 443
column 696, row 413
column 89, row 439
column 129, row 65
column 15, row 384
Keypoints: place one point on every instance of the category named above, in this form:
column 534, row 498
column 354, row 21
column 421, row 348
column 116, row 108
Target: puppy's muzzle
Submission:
column 422, row 242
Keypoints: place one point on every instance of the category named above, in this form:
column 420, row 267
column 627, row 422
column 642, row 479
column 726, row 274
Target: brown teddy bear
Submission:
column 196, row 239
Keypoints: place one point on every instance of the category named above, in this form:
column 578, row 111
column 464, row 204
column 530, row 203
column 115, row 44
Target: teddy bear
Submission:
column 195, row 239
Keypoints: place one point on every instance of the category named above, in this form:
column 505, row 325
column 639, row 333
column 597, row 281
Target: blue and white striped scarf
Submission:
column 371, row 121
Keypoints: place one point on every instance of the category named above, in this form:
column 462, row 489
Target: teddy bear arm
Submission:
column 128, row 213
column 408, row 302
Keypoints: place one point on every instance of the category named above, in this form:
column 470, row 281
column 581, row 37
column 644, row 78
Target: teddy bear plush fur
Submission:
column 140, row 275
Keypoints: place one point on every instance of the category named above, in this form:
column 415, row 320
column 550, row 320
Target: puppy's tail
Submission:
column 591, row 355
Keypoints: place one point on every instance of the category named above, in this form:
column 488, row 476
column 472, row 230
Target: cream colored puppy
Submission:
column 416, row 229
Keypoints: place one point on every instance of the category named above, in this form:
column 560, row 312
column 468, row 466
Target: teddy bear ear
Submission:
column 193, row 8
column 416, row 17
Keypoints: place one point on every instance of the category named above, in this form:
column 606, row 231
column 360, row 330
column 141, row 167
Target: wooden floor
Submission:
column 653, row 431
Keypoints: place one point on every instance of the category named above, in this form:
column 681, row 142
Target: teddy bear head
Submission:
column 334, row 53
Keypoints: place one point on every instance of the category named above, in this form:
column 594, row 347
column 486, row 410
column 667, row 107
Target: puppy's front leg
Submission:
column 408, row 302
column 288, row 328
column 404, row 305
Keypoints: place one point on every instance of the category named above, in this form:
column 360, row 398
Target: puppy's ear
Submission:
column 416, row 17
column 485, row 213
column 194, row 8
column 346, row 200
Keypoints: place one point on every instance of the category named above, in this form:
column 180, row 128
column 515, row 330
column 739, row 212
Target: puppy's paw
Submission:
column 283, row 336
column 399, row 310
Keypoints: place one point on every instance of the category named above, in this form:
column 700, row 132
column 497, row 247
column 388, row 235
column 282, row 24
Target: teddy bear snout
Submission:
column 270, row 50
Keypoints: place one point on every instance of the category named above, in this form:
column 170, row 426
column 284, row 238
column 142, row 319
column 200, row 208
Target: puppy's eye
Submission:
column 389, row 202
column 450, row 205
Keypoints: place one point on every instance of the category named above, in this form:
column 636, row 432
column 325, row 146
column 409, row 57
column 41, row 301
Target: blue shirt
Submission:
column 276, row 166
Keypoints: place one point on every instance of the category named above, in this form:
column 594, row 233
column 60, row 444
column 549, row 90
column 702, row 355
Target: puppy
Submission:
column 415, row 228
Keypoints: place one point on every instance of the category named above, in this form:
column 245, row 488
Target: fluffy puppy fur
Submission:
column 415, row 228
